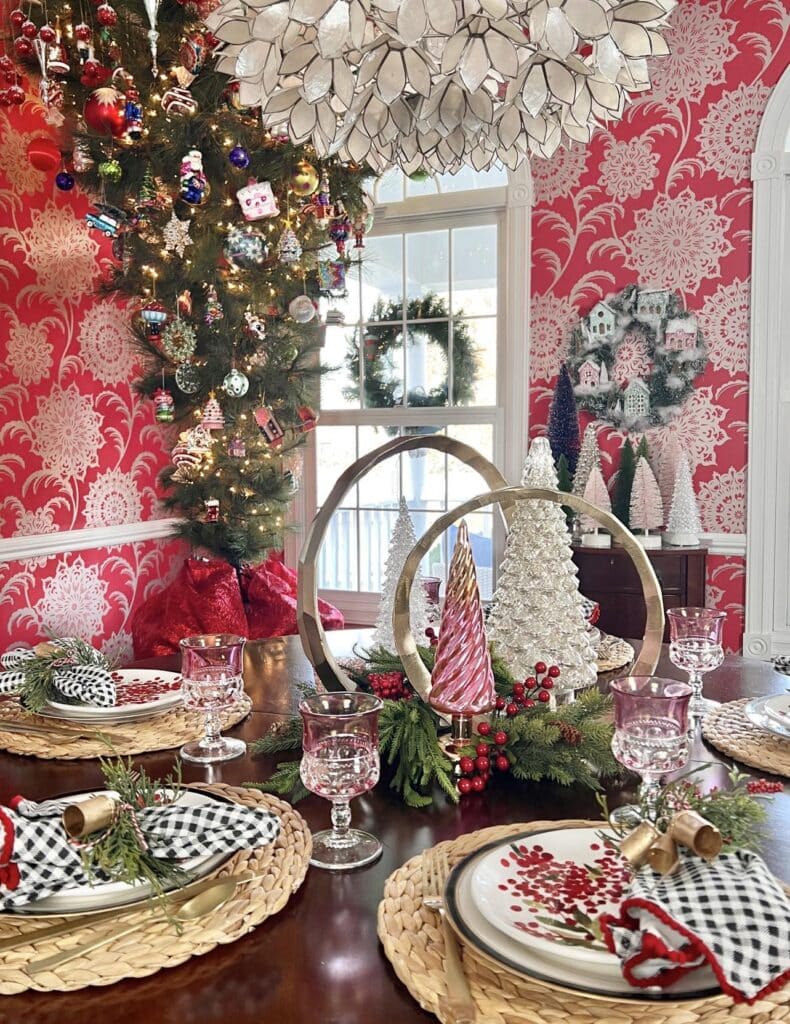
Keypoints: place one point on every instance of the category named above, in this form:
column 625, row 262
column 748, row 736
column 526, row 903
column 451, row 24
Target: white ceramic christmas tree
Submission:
column 589, row 456
column 683, row 525
column 647, row 509
column 402, row 541
column 596, row 493
column 671, row 453
column 536, row 614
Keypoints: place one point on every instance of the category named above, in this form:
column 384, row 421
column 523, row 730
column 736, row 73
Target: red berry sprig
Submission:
column 761, row 787
column 433, row 639
column 534, row 688
column 489, row 757
column 389, row 686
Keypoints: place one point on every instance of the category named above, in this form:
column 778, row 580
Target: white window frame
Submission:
column 511, row 207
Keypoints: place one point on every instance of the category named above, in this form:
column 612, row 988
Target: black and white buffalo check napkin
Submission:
column 37, row 858
column 88, row 684
column 729, row 914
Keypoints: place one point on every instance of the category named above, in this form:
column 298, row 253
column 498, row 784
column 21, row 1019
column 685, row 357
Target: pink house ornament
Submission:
column 680, row 335
column 257, row 200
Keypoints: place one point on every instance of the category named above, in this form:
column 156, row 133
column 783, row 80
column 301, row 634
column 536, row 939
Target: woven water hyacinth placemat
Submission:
column 413, row 942
column 171, row 729
column 729, row 730
column 281, row 868
column 613, row 653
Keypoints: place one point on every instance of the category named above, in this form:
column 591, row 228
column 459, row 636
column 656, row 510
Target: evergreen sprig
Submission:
column 40, row 672
column 408, row 740
column 282, row 736
column 284, row 781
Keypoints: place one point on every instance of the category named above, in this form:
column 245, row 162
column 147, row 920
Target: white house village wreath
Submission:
column 635, row 357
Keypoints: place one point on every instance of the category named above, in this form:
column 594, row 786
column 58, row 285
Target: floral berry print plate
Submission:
column 140, row 693
column 551, row 891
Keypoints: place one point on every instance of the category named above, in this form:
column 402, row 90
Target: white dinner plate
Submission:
column 757, row 713
column 140, row 693
column 778, row 708
column 104, row 895
column 553, row 887
column 524, row 958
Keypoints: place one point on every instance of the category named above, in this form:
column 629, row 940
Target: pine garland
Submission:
column 408, row 740
column 39, row 687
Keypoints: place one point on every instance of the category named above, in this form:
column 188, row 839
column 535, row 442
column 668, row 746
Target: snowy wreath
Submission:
column 635, row 357
column 382, row 345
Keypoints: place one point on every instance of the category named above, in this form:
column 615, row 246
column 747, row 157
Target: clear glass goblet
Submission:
column 695, row 636
column 211, row 670
column 341, row 761
column 650, row 737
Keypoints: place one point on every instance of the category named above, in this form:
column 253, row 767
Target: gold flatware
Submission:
column 191, row 910
column 435, row 870
column 77, row 922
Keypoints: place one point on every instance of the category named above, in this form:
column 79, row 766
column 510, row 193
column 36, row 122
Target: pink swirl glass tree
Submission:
column 462, row 682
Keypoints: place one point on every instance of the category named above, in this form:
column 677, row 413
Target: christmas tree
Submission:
column 217, row 231
column 596, row 493
column 646, row 510
column 624, row 482
column 537, row 613
column 565, row 484
column 589, row 456
column 683, row 524
column 402, row 541
column 667, row 467
column 564, row 421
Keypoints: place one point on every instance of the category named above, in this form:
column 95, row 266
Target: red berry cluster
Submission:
column 389, row 686
column 433, row 639
column 534, row 688
column 490, row 756
column 760, row 787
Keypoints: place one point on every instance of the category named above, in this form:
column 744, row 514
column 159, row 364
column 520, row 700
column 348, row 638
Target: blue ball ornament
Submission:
column 239, row 157
column 64, row 181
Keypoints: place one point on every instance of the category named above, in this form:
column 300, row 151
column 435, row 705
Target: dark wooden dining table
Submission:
column 319, row 960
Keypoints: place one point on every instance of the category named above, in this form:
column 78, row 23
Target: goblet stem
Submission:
column 697, row 702
column 648, row 797
column 341, row 824
column 211, row 728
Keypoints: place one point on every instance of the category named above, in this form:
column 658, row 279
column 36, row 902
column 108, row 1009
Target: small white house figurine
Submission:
column 589, row 374
column 681, row 335
column 601, row 322
column 651, row 306
column 636, row 399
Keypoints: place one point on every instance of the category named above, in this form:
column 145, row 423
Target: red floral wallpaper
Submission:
column 664, row 199
column 78, row 448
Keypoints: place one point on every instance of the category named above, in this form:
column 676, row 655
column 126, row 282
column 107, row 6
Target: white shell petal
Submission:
column 474, row 64
column 412, row 21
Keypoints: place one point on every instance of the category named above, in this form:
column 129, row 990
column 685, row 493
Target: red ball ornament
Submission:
column 29, row 29
column 17, row 95
column 500, row 738
column 540, row 667
column 529, row 703
column 43, row 154
column 482, row 764
column 500, row 703
column 83, row 32
column 104, row 112
column 544, row 696
column 18, row 17
column 9, row 77
column 481, row 749
column 502, row 763
column 518, row 689
column 467, row 765
column 6, row 64
column 47, row 33
column 511, row 710
column 478, row 784
column 464, row 786
column 484, row 729
column 554, row 671
column 547, row 684
column 106, row 16
column 23, row 47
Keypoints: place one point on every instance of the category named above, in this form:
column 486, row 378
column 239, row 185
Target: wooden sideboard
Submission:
column 608, row 576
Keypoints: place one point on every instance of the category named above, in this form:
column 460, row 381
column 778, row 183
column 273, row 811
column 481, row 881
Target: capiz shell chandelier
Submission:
column 431, row 85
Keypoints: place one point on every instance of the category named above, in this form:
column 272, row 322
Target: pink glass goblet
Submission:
column 650, row 737
column 340, row 761
column 695, row 636
column 211, row 667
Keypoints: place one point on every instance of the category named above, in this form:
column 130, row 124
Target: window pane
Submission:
column 349, row 304
column 382, row 278
column 423, row 476
column 427, row 271
column 380, row 488
column 420, row 187
column 336, row 449
column 340, row 385
column 474, row 339
column 426, row 366
column 337, row 568
column 462, row 481
column 475, row 270
column 382, row 350
column 468, row 178
column 389, row 187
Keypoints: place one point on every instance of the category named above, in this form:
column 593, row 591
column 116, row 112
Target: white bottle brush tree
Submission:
column 589, row 456
column 537, row 612
column 402, row 541
column 647, row 509
column 683, row 524
column 597, row 494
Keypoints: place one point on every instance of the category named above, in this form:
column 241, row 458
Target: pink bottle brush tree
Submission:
column 647, row 509
column 596, row 493
column 462, row 683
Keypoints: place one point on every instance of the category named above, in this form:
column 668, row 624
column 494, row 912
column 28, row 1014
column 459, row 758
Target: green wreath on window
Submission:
column 382, row 333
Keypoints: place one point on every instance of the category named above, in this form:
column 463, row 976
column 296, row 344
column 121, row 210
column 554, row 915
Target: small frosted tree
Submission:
column 667, row 467
column 537, row 612
column 563, row 428
column 402, row 541
column 683, row 524
column 646, row 512
column 596, row 493
column 589, row 456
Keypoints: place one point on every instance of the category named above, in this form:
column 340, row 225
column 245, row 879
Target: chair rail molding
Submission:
column 17, row 549
column 767, row 631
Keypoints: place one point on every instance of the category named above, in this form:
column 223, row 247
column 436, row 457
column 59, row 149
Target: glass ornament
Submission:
column 236, row 384
column 239, row 157
column 188, row 378
column 302, row 309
